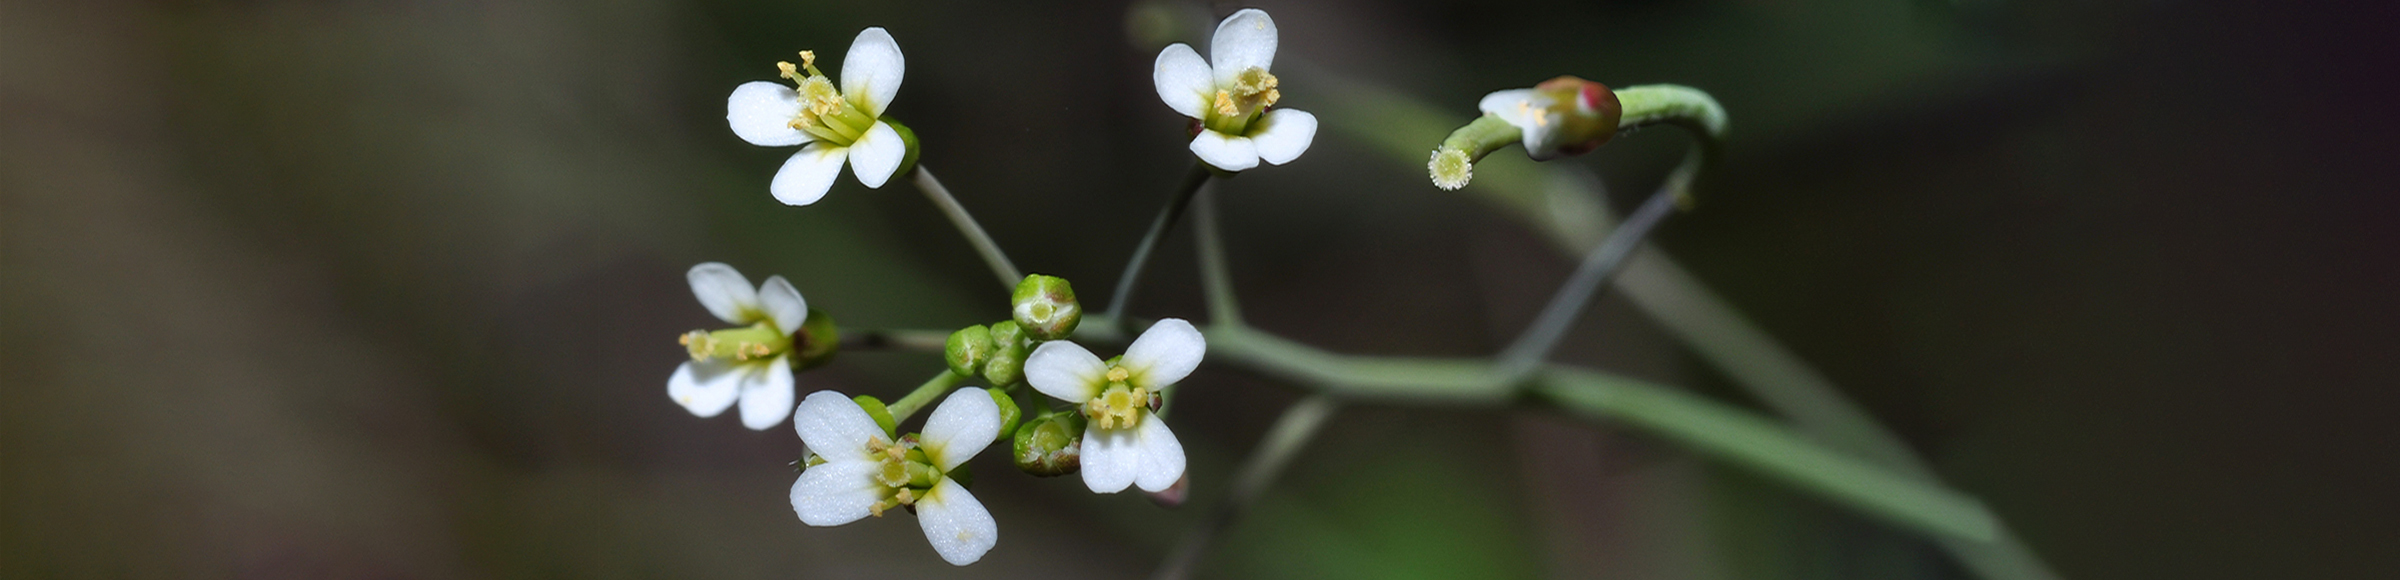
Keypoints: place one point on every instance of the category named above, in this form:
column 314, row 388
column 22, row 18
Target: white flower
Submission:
column 1232, row 99
column 865, row 472
column 833, row 124
column 1565, row 115
column 1123, row 443
column 752, row 364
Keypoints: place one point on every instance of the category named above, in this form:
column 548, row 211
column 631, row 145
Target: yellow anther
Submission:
column 1272, row 96
column 789, row 71
column 1118, row 374
column 1253, row 81
column 808, row 58
column 1224, row 104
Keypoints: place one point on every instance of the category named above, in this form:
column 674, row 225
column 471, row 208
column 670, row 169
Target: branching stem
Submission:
column 992, row 256
column 1167, row 216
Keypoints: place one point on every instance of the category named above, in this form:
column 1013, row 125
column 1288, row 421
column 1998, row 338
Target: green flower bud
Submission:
column 1050, row 445
column 882, row 416
column 1045, row 307
column 817, row 341
column 968, row 349
column 1008, row 409
column 1007, row 365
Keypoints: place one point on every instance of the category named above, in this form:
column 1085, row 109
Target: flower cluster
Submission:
column 1103, row 421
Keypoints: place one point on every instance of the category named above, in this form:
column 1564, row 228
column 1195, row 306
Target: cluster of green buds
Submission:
column 1042, row 308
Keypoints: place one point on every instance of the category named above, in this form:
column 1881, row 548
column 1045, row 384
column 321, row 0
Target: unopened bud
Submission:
column 968, row 349
column 1050, row 445
column 816, row 342
column 1007, row 365
column 1045, row 307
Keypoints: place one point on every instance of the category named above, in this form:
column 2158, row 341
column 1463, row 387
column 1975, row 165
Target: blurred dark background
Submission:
column 348, row 289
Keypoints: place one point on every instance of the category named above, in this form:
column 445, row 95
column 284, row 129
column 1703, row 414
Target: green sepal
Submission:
column 909, row 136
column 1007, row 365
column 1008, row 409
column 882, row 416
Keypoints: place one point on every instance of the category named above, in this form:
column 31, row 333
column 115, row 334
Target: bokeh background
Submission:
column 351, row 289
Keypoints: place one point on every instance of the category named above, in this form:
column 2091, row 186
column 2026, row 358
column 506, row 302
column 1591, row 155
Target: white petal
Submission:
column 782, row 304
column 1528, row 109
column 767, row 393
column 957, row 525
column 1110, row 458
column 1164, row 354
column 724, row 292
column 761, row 113
column 1508, row 102
column 1184, row 80
column 871, row 70
column 837, row 492
column 1283, row 135
column 1161, row 456
column 877, row 154
column 1244, row 40
column 1223, row 152
column 961, row 427
column 806, row 177
column 705, row 388
column 1065, row 370
column 833, row 426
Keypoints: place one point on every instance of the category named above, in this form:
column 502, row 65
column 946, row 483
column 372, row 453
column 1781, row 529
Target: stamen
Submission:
column 789, row 71
column 1225, row 104
column 1119, row 374
column 808, row 60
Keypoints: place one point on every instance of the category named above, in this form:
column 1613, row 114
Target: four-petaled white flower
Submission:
column 833, row 124
column 1233, row 99
column 751, row 364
column 866, row 472
column 1123, row 442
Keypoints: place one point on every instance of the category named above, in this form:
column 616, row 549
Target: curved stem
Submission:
column 1283, row 442
column 1543, row 335
column 1198, row 178
column 992, row 256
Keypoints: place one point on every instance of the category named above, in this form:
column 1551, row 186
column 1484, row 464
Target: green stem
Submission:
column 1224, row 309
column 894, row 339
column 1283, row 442
column 1759, row 444
column 925, row 394
column 1167, row 216
column 1541, row 337
column 992, row 256
column 1714, row 429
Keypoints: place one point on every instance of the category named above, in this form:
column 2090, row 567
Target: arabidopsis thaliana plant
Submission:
column 866, row 472
column 752, row 364
column 1124, row 443
column 831, row 125
column 1232, row 95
